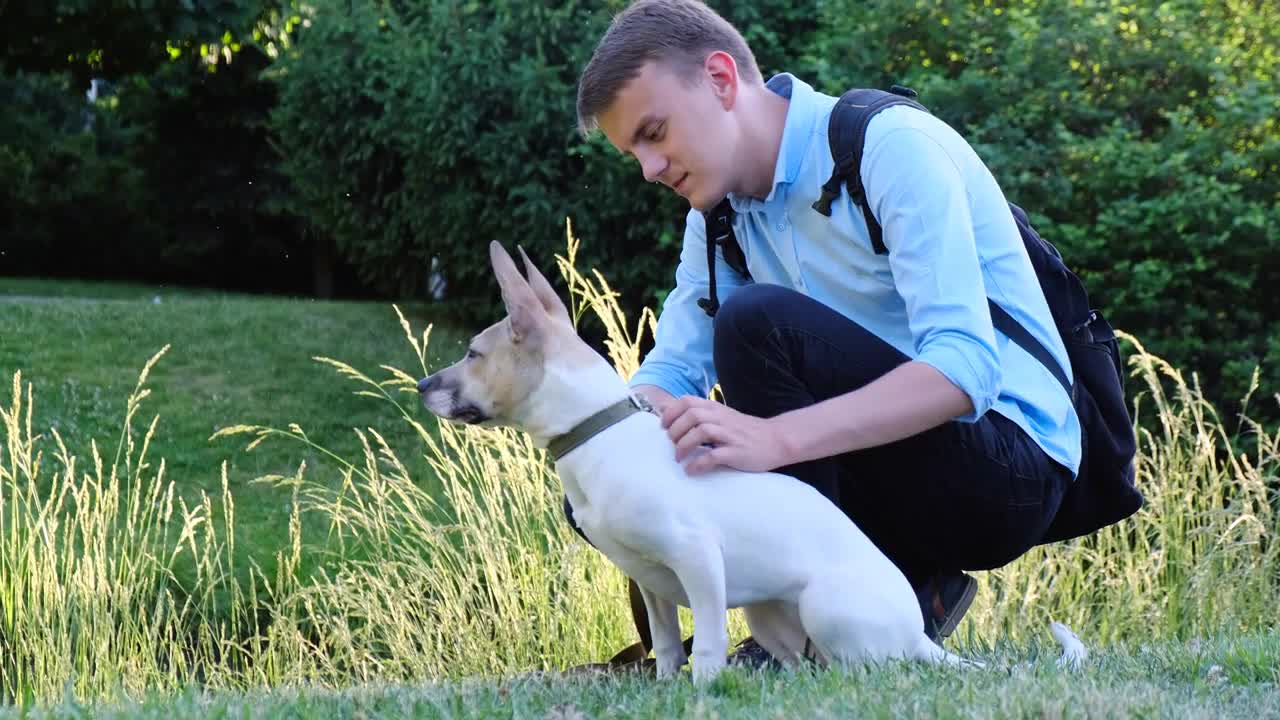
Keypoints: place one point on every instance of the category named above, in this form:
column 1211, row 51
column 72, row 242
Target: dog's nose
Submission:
column 425, row 383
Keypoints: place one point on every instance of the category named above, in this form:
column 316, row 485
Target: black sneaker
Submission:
column 944, row 600
column 748, row 653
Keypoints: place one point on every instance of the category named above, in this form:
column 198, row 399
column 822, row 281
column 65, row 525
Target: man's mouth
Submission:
column 680, row 183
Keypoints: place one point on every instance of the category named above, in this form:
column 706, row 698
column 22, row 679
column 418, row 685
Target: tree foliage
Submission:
column 115, row 38
column 1142, row 137
column 244, row 134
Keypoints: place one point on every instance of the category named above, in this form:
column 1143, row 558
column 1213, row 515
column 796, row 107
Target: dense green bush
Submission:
column 213, row 176
column 427, row 129
column 430, row 130
column 1141, row 136
column 69, row 183
column 170, row 176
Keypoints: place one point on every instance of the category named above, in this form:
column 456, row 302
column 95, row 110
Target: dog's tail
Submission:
column 1072, row 658
column 1073, row 651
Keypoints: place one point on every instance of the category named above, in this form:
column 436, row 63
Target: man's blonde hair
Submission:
column 679, row 33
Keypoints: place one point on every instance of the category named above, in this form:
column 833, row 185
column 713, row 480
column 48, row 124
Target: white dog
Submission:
column 809, row 581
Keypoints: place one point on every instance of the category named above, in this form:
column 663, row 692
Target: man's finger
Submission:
column 705, row 434
column 688, row 443
column 707, row 461
column 675, row 409
column 688, row 420
column 685, row 402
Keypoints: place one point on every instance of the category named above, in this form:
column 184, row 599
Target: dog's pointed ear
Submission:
column 522, row 304
column 542, row 289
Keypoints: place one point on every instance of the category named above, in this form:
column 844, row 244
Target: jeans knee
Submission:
column 744, row 318
column 743, row 335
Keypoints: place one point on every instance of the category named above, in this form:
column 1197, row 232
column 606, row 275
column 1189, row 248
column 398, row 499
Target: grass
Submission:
column 445, row 558
column 1223, row 679
column 231, row 359
column 46, row 289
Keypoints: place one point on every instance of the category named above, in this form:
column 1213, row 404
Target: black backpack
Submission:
column 1103, row 492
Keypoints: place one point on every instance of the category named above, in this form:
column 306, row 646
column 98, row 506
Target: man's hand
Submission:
column 738, row 440
column 907, row 400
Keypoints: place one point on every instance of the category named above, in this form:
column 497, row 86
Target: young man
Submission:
column 876, row 378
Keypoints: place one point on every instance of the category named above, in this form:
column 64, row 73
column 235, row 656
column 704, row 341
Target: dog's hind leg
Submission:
column 776, row 627
column 931, row 652
column 850, row 622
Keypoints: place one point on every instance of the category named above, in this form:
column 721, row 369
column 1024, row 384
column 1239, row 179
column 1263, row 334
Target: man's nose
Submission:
column 425, row 383
column 652, row 164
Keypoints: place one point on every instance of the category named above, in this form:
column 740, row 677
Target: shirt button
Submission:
column 782, row 226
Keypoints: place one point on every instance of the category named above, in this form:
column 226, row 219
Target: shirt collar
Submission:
column 797, row 130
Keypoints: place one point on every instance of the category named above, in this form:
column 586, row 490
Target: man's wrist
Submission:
column 656, row 396
column 787, row 447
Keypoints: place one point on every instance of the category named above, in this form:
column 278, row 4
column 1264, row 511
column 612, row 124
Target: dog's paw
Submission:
column 668, row 666
column 707, row 669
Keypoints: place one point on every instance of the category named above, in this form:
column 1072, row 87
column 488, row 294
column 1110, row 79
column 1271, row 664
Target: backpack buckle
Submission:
column 830, row 191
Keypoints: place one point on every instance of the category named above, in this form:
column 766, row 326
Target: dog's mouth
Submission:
column 447, row 405
column 468, row 415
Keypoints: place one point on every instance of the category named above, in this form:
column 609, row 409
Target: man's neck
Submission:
column 765, row 116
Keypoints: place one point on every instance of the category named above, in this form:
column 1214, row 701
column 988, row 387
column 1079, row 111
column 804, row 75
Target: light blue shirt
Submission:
column 952, row 243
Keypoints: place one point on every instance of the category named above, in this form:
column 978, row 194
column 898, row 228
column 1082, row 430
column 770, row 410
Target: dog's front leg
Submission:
column 664, row 624
column 699, row 565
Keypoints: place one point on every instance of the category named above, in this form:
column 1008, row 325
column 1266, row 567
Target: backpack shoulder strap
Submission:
column 719, row 221
column 847, row 131
column 1012, row 329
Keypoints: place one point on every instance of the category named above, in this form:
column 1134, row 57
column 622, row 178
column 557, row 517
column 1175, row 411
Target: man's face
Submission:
column 682, row 133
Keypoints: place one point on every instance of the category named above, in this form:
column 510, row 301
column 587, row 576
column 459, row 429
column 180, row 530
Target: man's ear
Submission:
column 542, row 289
column 523, row 306
column 722, row 75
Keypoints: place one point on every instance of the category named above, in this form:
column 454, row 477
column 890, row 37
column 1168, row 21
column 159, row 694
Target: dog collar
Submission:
column 597, row 423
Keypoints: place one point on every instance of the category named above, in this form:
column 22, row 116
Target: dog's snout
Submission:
column 425, row 383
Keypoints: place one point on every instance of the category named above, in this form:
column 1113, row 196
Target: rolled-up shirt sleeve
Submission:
column 918, row 195
column 681, row 360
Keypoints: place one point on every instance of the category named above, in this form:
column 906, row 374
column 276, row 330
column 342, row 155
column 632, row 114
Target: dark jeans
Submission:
column 961, row 496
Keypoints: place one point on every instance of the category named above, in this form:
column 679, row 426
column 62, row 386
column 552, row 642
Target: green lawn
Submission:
column 1239, row 678
column 237, row 359
column 233, row 359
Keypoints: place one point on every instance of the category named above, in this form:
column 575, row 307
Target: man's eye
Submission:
column 655, row 135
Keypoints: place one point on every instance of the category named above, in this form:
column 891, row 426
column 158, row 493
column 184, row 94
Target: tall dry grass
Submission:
column 89, row 602
column 487, row 578
column 1202, row 556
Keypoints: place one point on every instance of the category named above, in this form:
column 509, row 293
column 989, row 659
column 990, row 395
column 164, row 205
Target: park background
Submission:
column 250, row 186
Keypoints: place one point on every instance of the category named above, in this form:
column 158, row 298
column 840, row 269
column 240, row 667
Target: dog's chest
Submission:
column 644, row 569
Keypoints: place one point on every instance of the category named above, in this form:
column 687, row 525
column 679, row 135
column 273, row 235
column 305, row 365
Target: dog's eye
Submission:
column 472, row 354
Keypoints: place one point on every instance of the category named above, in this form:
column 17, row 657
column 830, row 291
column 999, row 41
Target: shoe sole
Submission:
column 957, row 613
